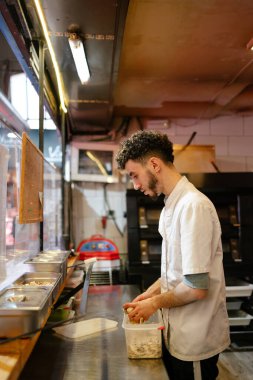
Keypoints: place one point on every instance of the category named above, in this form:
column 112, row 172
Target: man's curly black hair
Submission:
column 144, row 144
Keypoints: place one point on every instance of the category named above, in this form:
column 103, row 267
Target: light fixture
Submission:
column 52, row 54
column 249, row 45
column 97, row 161
column 77, row 49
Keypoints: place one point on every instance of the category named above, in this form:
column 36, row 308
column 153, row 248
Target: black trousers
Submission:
column 183, row 370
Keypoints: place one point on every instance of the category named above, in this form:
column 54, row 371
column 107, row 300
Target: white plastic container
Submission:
column 239, row 318
column 234, row 303
column 144, row 340
column 238, row 288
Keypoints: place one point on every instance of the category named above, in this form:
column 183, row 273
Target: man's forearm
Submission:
column 155, row 288
column 150, row 301
column 179, row 296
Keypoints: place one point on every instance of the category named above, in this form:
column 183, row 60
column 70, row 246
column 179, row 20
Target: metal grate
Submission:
column 109, row 277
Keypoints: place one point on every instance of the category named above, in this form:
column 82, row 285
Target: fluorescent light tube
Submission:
column 52, row 53
column 97, row 161
column 78, row 53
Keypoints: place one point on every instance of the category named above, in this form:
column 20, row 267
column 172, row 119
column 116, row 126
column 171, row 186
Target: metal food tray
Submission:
column 29, row 279
column 63, row 255
column 238, row 288
column 40, row 264
column 22, row 310
column 56, row 252
column 239, row 318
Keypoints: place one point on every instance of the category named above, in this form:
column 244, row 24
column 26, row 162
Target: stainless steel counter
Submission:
column 101, row 356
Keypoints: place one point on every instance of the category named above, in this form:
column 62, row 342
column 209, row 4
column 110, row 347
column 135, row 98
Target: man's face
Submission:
column 142, row 178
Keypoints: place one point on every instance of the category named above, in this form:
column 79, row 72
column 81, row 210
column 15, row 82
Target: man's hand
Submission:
column 141, row 297
column 142, row 305
column 141, row 310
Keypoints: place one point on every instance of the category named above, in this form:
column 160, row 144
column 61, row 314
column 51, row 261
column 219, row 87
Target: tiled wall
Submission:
column 232, row 137
column 89, row 205
column 233, row 140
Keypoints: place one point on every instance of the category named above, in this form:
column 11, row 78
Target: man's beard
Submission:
column 152, row 185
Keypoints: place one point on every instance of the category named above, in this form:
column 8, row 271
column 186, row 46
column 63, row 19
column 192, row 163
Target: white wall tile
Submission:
column 240, row 146
column 227, row 126
column 249, row 164
column 220, row 143
column 161, row 125
column 89, row 208
column 182, row 139
column 187, row 127
column 231, row 164
column 248, row 126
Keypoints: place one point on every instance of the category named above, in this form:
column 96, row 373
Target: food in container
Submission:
column 143, row 340
column 49, row 280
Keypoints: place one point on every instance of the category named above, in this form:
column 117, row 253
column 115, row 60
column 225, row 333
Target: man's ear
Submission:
column 155, row 164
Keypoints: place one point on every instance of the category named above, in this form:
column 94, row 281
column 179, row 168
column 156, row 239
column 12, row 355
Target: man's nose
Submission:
column 136, row 186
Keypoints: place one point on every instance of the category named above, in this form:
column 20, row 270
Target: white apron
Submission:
column 191, row 244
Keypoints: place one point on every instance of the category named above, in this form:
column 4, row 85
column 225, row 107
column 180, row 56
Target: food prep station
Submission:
column 29, row 299
column 101, row 355
column 26, row 302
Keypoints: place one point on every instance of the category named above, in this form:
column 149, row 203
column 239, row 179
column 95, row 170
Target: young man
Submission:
column 191, row 289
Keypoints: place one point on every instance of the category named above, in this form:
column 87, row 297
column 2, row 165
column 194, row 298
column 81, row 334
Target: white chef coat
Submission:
column 191, row 244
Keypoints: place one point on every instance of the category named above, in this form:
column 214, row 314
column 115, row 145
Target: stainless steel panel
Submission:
column 55, row 254
column 22, row 310
column 56, row 251
column 48, row 280
column 40, row 264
